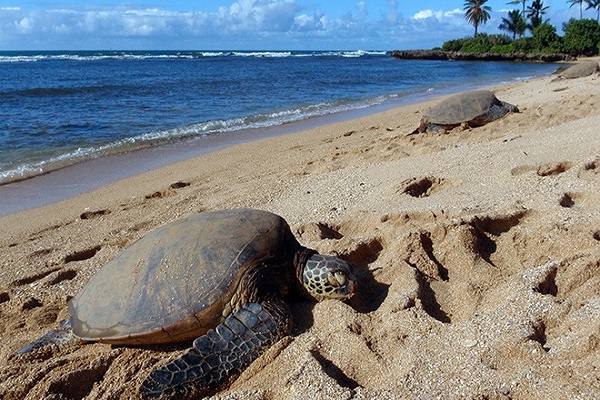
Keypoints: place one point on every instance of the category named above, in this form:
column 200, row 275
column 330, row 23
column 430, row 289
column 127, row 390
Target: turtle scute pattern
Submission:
column 223, row 353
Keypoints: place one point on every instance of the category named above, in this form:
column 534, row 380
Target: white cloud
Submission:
column 254, row 24
column 24, row 25
column 439, row 15
column 424, row 14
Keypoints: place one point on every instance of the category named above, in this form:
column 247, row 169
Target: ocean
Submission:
column 60, row 108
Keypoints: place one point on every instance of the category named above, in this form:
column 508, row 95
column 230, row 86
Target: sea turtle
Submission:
column 221, row 278
column 580, row 70
column 475, row 108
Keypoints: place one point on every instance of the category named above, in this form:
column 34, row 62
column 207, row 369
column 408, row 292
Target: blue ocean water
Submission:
column 59, row 108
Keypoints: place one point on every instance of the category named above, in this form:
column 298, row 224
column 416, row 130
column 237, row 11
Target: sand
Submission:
column 478, row 250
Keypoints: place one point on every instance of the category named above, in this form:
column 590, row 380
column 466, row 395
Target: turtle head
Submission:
column 328, row 277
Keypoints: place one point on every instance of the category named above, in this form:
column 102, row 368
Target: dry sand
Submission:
column 479, row 250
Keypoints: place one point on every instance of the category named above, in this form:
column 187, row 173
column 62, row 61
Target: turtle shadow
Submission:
column 302, row 316
column 370, row 293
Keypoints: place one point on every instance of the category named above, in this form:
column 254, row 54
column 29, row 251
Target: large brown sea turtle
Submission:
column 221, row 278
column 580, row 70
column 475, row 108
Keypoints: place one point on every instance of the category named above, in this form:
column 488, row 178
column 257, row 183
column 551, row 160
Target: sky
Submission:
column 246, row 24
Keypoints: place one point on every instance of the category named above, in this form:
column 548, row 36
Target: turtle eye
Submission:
column 337, row 279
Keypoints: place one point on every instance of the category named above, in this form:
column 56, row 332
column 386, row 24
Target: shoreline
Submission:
column 82, row 177
column 477, row 250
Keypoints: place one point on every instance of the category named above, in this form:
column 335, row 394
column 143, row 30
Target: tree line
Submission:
column 580, row 36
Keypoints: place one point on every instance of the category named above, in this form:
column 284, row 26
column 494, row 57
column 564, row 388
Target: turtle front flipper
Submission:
column 222, row 354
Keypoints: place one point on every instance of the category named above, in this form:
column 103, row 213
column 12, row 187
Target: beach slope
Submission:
column 479, row 253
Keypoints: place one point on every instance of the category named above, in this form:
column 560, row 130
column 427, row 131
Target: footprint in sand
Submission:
column 159, row 194
column 64, row 276
column 4, row 297
column 590, row 170
column 553, row 168
column 566, row 200
column 31, row 303
column 179, row 185
column 421, row 187
column 93, row 214
column 33, row 278
column 549, row 169
column 82, row 254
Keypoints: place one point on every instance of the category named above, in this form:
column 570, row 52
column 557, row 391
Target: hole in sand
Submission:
column 157, row 195
column 421, row 187
column 365, row 253
column 498, row 224
column 566, row 201
column 428, row 298
column 94, row 214
column 548, row 285
column 31, row 303
column 485, row 245
column 64, row 276
column 539, row 334
column 328, row 232
column 179, row 185
column 77, row 384
column 596, row 235
column 30, row 279
column 82, row 255
column 427, row 245
column 591, row 166
column 334, row 371
column 4, row 297
column 553, row 168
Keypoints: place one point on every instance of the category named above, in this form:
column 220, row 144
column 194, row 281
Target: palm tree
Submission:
column 580, row 2
column 515, row 2
column 515, row 23
column 535, row 14
column 476, row 12
column 594, row 4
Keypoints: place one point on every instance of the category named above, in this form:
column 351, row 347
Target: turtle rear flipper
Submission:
column 223, row 353
column 64, row 334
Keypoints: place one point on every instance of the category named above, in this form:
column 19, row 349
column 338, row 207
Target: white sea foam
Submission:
column 91, row 56
column 202, row 129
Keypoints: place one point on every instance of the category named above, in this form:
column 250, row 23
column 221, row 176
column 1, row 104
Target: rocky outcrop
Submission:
column 457, row 55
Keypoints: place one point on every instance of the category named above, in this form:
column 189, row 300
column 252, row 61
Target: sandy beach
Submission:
column 479, row 252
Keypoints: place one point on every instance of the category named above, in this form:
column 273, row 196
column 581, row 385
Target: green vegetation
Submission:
column 515, row 23
column 535, row 14
column 476, row 12
column 581, row 36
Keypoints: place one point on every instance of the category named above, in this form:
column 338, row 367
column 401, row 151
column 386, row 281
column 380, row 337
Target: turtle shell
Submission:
column 174, row 283
column 477, row 107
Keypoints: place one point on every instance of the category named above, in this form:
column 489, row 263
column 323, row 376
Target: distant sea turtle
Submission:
column 580, row 70
column 474, row 109
column 221, row 278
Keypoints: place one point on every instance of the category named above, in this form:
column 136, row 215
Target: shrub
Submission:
column 482, row 43
column 581, row 37
column 524, row 45
column 453, row 45
column 545, row 39
column 503, row 49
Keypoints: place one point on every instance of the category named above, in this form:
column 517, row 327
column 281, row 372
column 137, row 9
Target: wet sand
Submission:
column 479, row 251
